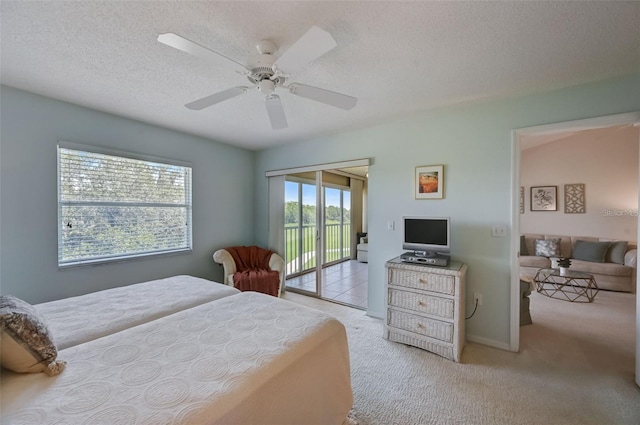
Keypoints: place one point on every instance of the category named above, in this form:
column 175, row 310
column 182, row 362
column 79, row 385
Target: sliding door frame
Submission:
column 276, row 215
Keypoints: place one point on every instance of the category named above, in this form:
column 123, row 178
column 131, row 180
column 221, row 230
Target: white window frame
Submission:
column 63, row 264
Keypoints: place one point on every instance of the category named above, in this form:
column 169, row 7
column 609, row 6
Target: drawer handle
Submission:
column 422, row 303
column 421, row 326
column 423, row 281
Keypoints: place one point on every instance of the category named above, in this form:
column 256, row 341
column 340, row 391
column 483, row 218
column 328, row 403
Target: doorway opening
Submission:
column 525, row 221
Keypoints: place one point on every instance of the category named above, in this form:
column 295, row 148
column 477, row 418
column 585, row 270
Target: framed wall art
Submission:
column 544, row 198
column 574, row 201
column 429, row 182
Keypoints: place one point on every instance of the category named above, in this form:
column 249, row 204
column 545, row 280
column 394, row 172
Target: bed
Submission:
column 246, row 358
column 84, row 318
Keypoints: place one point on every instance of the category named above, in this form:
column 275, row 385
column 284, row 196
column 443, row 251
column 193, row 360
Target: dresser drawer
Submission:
column 443, row 284
column 442, row 349
column 423, row 303
column 420, row 325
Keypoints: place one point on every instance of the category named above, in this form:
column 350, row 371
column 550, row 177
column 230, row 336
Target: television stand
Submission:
column 431, row 258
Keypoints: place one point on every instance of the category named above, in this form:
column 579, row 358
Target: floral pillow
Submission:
column 27, row 346
column 547, row 247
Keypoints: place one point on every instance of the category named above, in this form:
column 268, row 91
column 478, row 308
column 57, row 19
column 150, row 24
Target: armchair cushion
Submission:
column 258, row 280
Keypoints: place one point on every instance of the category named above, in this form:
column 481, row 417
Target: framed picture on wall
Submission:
column 574, row 201
column 544, row 198
column 429, row 182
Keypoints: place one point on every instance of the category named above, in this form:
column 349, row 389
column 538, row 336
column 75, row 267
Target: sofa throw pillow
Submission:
column 590, row 251
column 27, row 346
column 548, row 247
column 523, row 246
column 616, row 251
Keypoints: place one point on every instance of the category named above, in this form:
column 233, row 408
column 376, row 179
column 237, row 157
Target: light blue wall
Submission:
column 474, row 144
column 31, row 125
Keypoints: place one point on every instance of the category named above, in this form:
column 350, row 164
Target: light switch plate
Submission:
column 498, row 231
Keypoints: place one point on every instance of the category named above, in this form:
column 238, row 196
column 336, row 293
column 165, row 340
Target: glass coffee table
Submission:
column 572, row 286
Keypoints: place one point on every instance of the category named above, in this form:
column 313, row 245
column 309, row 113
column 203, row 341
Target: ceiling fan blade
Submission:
column 205, row 102
column 188, row 46
column 338, row 100
column 313, row 44
column 276, row 112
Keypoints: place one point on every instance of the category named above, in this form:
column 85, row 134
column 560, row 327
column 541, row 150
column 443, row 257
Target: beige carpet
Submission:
column 575, row 366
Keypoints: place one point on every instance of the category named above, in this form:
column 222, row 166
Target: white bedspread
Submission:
column 75, row 320
column 245, row 359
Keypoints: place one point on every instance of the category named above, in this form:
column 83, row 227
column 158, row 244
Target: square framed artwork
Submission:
column 429, row 182
column 544, row 198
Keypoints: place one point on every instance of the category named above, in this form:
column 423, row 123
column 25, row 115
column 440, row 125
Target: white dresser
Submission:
column 425, row 306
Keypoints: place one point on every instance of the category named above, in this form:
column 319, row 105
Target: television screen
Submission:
column 426, row 234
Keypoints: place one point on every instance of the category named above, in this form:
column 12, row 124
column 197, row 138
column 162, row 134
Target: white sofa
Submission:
column 614, row 276
column 182, row 351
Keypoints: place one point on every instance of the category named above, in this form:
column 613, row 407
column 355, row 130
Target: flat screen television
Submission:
column 427, row 236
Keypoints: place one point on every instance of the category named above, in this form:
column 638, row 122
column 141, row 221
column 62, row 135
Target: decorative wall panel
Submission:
column 574, row 199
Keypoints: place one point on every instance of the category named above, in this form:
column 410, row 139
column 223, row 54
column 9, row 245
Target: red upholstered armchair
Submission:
column 251, row 268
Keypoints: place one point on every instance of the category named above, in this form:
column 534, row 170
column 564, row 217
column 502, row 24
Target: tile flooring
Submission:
column 346, row 282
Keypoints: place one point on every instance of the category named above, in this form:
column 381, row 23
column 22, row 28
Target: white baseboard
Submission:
column 489, row 342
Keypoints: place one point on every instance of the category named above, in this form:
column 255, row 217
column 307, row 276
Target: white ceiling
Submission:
column 397, row 58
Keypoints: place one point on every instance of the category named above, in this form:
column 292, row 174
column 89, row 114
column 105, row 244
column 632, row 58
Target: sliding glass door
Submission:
column 302, row 235
column 300, row 226
column 315, row 213
column 317, row 228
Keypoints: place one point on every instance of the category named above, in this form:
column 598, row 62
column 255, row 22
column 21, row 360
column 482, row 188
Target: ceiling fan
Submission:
column 267, row 73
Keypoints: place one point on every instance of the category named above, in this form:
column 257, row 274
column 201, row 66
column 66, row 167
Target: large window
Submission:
column 114, row 206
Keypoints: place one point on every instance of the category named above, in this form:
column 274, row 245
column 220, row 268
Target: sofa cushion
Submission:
column 590, row 251
column 608, row 269
column 533, row 261
column 27, row 346
column 616, row 251
column 547, row 247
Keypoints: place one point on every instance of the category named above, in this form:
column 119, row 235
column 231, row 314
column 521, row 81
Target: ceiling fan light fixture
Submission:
column 266, row 47
column 266, row 87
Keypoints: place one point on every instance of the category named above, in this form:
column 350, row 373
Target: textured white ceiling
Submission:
column 395, row 57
